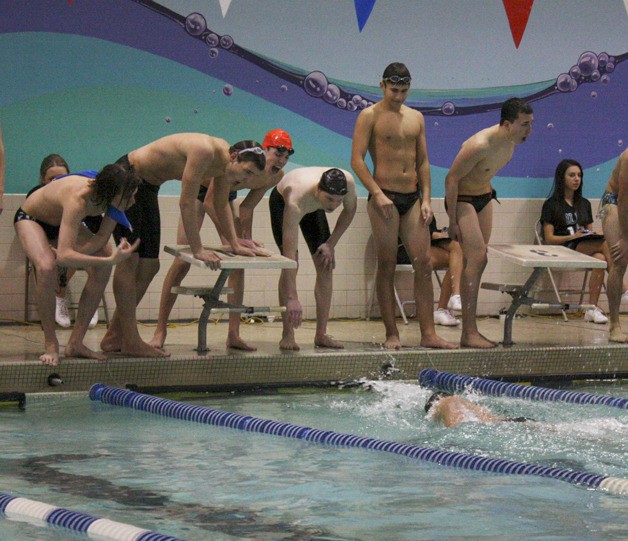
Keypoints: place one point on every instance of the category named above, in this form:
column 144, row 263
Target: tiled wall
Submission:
column 513, row 222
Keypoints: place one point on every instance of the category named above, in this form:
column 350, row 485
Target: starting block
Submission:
column 210, row 295
column 539, row 259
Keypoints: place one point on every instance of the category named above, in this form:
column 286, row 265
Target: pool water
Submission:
column 201, row 482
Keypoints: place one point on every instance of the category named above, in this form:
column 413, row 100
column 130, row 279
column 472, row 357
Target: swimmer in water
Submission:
column 451, row 410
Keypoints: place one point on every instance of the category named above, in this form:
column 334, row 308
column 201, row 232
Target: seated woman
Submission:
column 53, row 166
column 567, row 220
column 445, row 254
column 54, row 214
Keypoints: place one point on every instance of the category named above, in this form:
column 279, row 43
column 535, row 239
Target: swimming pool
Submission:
column 201, row 482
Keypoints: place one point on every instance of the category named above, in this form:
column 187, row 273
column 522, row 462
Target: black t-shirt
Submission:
column 565, row 218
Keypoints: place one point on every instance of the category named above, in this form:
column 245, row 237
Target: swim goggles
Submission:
column 254, row 150
column 395, row 79
column 282, row 150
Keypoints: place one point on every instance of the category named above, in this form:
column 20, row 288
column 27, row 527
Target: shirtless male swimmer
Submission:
column 399, row 199
column 469, row 194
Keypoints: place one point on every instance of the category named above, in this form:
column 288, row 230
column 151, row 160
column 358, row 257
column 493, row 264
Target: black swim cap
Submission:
column 435, row 398
column 334, row 182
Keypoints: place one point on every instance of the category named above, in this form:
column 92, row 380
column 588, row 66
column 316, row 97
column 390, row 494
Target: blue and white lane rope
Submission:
column 447, row 381
column 100, row 528
column 201, row 414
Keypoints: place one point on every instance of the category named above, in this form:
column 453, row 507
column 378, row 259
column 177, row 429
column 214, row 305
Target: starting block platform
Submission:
column 538, row 258
column 211, row 295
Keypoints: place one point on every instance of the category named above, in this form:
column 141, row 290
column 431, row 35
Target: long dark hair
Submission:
column 558, row 191
column 52, row 160
column 112, row 180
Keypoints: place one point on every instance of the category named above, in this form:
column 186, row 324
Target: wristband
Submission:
column 119, row 216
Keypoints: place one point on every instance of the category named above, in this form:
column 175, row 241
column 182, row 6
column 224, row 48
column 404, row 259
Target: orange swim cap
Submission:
column 278, row 138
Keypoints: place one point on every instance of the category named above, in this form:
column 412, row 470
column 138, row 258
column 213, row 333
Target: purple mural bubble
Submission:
column 212, row 40
column 351, row 106
column 594, row 94
column 436, row 123
column 605, row 79
column 620, row 142
column 448, row 108
column 610, row 66
column 195, row 24
column 332, row 94
column 315, row 84
column 602, row 59
column 342, row 103
column 573, row 85
column 595, row 76
column 226, row 42
column 213, row 52
column 550, row 126
column 563, row 82
column 560, row 150
column 356, row 99
column 227, row 90
column 575, row 72
column 364, row 104
column 587, row 63
column 283, row 88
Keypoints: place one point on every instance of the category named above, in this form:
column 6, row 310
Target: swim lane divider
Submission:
column 201, row 414
column 101, row 528
column 446, row 381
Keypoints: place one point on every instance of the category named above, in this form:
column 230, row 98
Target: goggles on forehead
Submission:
column 282, row 150
column 396, row 80
column 254, row 150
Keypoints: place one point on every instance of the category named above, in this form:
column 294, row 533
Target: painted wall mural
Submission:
column 94, row 79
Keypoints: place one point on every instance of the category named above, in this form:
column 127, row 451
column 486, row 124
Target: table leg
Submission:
column 210, row 302
column 518, row 298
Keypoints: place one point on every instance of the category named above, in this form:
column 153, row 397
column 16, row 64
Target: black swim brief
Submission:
column 314, row 225
column 202, row 192
column 144, row 217
column 478, row 202
column 51, row 231
column 403, row 201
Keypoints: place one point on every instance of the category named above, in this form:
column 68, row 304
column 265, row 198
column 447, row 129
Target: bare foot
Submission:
column 436, row 342
column 82, row 351
column 326, row 341
column 158, row 340
column 235, row 342
column 392, row 342
column 616, row 335
column 51, row 355
column 289, row 344
column 477, row 340
column 110, row 343
column 142, row 349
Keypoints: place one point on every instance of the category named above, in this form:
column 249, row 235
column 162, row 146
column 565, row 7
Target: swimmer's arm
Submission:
column 101, row 238
column 469, row 156
column 361, row 138
column 349, row 207
column 244, row 223
column 423, row 165
column 68, row 254
column 224, row 217
column 193, row 173
column 210, row 210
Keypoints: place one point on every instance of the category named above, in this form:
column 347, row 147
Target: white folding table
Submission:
column 210, row 295
column 538, row 258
